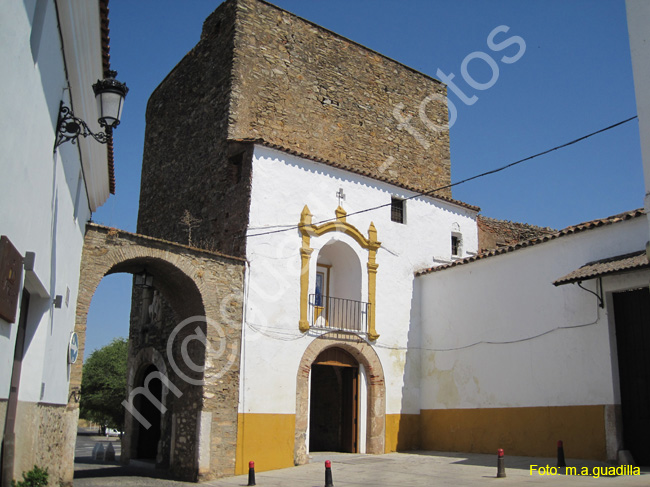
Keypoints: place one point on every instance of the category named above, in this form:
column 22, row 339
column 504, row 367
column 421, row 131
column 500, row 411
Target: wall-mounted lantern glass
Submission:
column 109, row 94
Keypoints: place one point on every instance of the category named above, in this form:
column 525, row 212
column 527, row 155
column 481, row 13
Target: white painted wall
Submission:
column 38, row 188
column 497, row 333
column 273, row 345
column 638, row 25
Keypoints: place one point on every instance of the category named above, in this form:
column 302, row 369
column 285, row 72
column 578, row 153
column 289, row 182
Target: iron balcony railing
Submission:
column 326, row 312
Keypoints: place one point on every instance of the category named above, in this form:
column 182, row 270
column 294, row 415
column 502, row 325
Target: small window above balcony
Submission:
column 456, row 245
column 398, row 210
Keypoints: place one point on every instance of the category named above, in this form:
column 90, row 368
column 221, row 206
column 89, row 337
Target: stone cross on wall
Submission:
column 340, row 195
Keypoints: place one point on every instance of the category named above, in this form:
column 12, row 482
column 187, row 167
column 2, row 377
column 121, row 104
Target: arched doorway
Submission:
column 348, row 350
column 146, row 443
column 334, row 402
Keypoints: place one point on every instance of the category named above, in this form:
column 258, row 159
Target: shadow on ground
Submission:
column 86, row 467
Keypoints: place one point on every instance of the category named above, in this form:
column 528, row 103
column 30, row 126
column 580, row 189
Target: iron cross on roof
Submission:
column 340, row 195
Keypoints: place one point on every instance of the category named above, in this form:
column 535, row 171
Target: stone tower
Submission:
column 261, row 73
column 263, row 77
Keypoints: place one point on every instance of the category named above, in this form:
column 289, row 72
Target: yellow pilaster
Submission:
column 305, row 255
column 373, row 245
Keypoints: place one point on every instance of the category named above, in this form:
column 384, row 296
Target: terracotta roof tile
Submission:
column 356, row 171
column 493, row 233
column 581, row 227
column 611, row 265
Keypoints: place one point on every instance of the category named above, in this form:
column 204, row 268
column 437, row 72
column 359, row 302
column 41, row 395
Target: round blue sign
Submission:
column 73, row 348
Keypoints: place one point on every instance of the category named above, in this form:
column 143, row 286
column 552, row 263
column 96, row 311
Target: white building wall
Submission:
column 497, row 333
column 41, row 210
column 638, row 24
column 273, row 345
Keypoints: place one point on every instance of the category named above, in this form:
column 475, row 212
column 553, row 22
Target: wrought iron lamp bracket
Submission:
column 69, row 128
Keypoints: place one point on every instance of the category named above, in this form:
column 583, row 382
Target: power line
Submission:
column 487, row 173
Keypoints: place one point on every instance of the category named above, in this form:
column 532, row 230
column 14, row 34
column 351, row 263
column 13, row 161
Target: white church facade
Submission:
column 345, row 279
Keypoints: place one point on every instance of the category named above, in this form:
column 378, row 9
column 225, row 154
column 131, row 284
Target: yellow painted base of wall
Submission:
column 402, row 432
column 530, row 431
column 266, row 439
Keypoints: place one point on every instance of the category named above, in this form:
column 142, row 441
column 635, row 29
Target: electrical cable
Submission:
column 487, row 173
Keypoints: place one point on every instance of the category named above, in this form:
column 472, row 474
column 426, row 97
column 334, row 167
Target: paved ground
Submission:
column 395, row 469
column 86, row 440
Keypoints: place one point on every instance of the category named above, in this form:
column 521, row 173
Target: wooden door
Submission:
column 350, row 410
column 334, row 402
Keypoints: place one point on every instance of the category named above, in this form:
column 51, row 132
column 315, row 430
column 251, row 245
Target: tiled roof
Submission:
column 368, row 174
column 106, row 64
column 495, row 233
column 581, row 227
column 612, row 265
column 515, row 226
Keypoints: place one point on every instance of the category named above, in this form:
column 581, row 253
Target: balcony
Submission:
column 328, row 313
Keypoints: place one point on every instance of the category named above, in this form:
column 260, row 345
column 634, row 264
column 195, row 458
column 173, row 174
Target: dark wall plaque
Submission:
column 11, row 271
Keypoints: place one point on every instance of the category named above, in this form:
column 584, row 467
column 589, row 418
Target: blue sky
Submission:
column 574, row 78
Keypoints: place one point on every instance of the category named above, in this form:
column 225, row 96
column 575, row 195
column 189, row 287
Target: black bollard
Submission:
column 501, row 467
column 560, row 454
column 251, row 473
column 328, row 474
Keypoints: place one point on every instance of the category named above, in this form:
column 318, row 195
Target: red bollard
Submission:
column 328, row 474
column 251, row 473
column 501, row 467
column 560, row 454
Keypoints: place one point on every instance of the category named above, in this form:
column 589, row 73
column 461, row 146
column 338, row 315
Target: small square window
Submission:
column 455, row 246
column 236, row 163
column 397, row 207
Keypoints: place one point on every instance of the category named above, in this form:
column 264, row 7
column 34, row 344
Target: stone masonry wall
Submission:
column 44, row 435
column 493, row 234
column 206, row 287
column 187, row 163
column 300, row 86
column 259, row 72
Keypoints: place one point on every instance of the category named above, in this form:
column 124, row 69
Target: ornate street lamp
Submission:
column 109, row 94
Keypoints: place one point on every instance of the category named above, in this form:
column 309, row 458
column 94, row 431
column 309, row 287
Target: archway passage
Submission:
column 334, row 403
column 192, row 283
column 148, row 438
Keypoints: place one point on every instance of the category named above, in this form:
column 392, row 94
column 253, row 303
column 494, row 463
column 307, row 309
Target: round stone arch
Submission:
column 362, row 353
column 181, row 291
column 177, row 277
column 195, row 283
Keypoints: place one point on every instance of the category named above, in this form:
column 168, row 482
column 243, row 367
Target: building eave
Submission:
column 423, row 192
column 571, row 230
